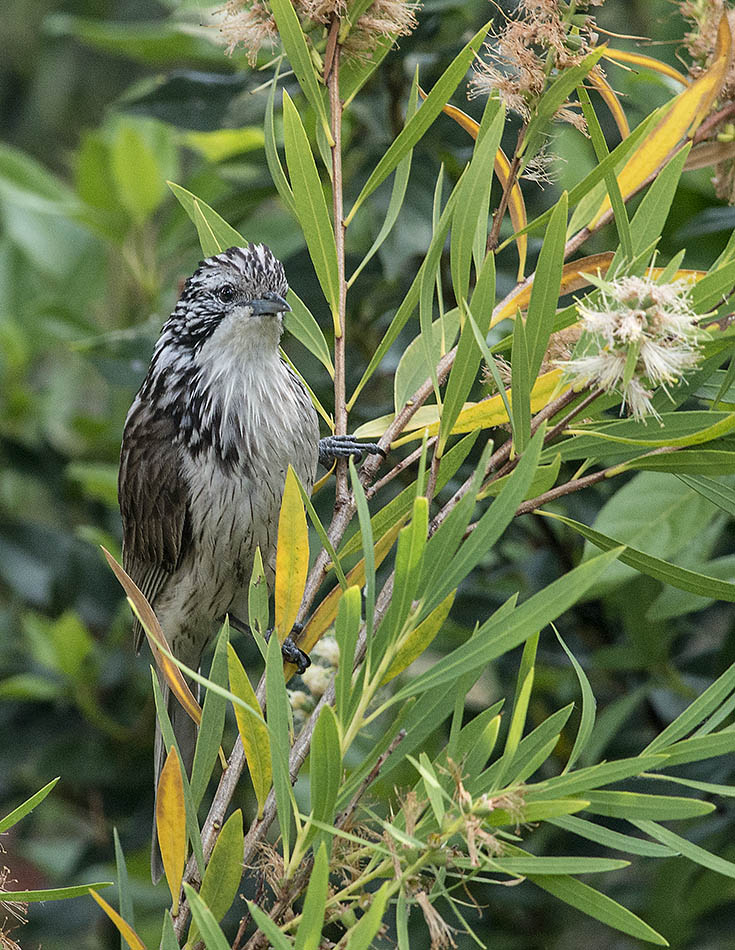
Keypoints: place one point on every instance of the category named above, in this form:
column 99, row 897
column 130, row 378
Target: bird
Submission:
column 206, row 446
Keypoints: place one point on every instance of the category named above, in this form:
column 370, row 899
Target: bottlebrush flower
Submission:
column 638, row 336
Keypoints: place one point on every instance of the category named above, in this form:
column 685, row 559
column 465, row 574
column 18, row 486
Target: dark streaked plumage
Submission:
column 206, row 447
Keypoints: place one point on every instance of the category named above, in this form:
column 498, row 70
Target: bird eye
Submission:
column 226, row 293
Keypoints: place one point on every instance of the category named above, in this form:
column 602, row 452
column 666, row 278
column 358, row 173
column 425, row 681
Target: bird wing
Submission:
column 153, row 502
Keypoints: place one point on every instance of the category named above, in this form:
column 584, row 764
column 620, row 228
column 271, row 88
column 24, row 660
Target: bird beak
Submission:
column 271, row 303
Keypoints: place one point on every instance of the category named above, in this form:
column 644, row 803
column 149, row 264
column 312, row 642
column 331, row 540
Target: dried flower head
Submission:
column 247, row 23
column 640, row 334
column 700, row 42
column 520, row 59
column 250, row 23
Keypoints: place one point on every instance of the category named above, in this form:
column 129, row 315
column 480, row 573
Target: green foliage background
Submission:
column 101, row 102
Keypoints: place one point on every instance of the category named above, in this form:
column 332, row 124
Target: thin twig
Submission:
column 340, row 398
column 492, row 241
column 398, row 468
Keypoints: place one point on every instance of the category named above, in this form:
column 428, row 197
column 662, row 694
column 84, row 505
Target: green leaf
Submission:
column 309, row 934
column 520, row 387
column 301, row 323
column 655, row 567
column 472, row 200
column 545, row 290
column 408, row 564
column 594, row 776
column 718, row 493
column 684, row 847
column 598, row 906
column 271, row 149
column 536, row 811
column 652, row 212
column 215, row 234
column 137, row 176
column 413, row 643
column 294, row 43
column 346, row 631
column 634, row 805
column 212, row 724
column 724, row 424
column 469, row 354
column 685, row 462
column 530, row 749
column 495, row 638
column 551, row 101
column 713, row 289
column 366, row 535
column 258, row 602
column 22, row 810
column 360, row 937
column 554, row 865
column 325, row 767
column 53, row 893
column 169, row 940
column 205, row 920
column 311, row 207
column 522, row 697
column 274, row 934
column 279, row 712
column 610, row 839
column 412, row 367
column 696, row 712
column 224, row 872
column 589, row 706
column 700, row 747
column 611, row 182
column 488, row 529
column 420, row 122
column 123, row 887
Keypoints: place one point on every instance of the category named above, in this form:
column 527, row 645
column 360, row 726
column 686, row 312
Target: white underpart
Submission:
column 274, row 424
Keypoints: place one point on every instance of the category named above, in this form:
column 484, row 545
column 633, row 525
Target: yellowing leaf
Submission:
column 647, row 62
column 572, row 278
column 292, row 557
column 221, row 144
column 475, row 415
column 171, row 824
column 687, row 110
column 123, row 927
column 611, row 101
column 252, row 728
column 324, row 615
column 414, row 643
column 156, row 640
column 516, row 204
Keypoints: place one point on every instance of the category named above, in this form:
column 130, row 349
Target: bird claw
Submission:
column 335, row 447
column 290, row 652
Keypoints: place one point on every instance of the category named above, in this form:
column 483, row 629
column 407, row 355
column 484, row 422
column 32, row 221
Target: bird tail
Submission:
column 185, row 731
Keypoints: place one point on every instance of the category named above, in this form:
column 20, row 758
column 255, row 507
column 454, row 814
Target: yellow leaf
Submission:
column 156, row 640
column 292, row 557
column 124, row 928
column 611, row 101
column 171, row 824
column 252, row 728
column 414, row 643
column 476, row 415
column 572, row 278
column 516, row 204
column 324, row 615
column 647, row 62
column 687, row 110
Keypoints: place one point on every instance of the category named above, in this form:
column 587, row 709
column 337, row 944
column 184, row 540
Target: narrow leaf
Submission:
column 292, row 557
column 252, row 728
column 27, row 807
column 224, row 872
column 123, row 928
column 171, row 824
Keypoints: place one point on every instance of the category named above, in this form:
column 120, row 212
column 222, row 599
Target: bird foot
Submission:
column 335, row 447
column 291, row 652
